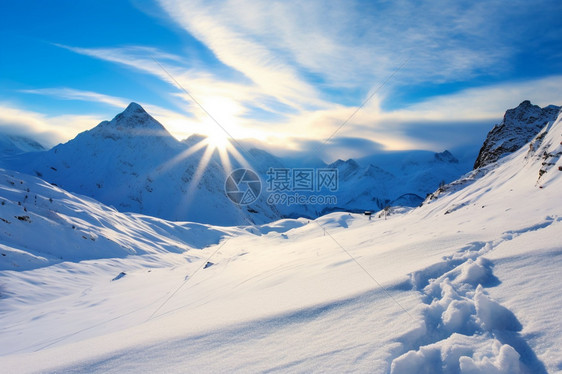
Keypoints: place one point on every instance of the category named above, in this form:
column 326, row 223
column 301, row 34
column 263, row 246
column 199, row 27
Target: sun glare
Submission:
column 218, row 141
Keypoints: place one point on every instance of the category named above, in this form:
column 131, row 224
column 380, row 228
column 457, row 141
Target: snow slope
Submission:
column 467, row 283
column 42, row 225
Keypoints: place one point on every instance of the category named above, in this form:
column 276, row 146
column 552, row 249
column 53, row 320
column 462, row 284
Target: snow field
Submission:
column 468, row 283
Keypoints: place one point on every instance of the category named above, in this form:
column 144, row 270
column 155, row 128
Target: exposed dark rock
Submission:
column 519, row 126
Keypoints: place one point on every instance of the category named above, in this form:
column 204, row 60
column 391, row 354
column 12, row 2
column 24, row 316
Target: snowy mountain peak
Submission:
column 525, row 113
column 134, row 108
column 446, row 156
column 134, row 164
column 194, row 139
column 519, row 126
column 133, row 123
column 375, row 171
column 135, row 117
column 345, row 168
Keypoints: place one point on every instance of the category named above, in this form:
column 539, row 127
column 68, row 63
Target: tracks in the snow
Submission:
column 462, row 328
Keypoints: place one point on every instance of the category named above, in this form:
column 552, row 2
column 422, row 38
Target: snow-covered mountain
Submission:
column 372, row 183
column 518, row 127
column 135, row 165
column 15, row 144
column 468, row 283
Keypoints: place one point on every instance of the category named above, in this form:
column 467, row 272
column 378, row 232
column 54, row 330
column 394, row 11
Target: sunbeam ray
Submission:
column 224, row 157
column 238, row 157
column 188, row 196
column 182, row 156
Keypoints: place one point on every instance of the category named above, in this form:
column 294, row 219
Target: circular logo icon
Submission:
column 243, row 186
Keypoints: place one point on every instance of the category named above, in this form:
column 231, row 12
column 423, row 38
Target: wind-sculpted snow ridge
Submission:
column 460, row 183
column 464, row 330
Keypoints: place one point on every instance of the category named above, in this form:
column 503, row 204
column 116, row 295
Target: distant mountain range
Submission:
column 16, row 144
column 134, row 164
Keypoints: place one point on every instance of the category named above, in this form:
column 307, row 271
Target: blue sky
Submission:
column 288, row 73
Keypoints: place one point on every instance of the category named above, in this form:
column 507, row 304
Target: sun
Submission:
column 218, row 141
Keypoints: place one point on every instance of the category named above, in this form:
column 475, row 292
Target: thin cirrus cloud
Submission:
column 208, row 89
column 483, row 102
column 221, row 30
column 438, row 123
column 66, row 93
column 310, row 47
column 345, row 43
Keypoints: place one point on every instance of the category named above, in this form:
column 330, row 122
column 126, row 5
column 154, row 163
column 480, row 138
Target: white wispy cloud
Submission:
column 481, row 103
column 351, row 43
column 435, row 124
column 201, row 84
column 140, row 58
column 448, row 117
column 221, row 28
column 74, row 94
column 294, row 50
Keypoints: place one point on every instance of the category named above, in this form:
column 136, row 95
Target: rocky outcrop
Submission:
column 519, row 126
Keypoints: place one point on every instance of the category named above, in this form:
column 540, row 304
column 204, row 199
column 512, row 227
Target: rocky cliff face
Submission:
column 519, row 126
